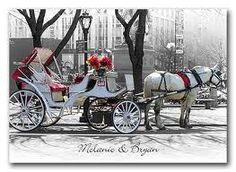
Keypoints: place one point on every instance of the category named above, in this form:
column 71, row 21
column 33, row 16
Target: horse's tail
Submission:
column 146, row 88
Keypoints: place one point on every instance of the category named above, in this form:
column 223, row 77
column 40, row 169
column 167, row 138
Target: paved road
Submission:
column 69, row 141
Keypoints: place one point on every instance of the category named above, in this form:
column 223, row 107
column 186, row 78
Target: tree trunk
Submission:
column 139, row 53
column 37, row 41
column 138, row 80
column 136, row 54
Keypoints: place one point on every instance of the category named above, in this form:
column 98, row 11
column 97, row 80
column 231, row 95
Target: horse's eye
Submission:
column 218, row 73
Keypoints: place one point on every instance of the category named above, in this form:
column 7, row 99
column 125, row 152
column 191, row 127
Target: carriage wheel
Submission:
column 50, row 119
column 96, row 113
column 126, row 117
column 26, row 110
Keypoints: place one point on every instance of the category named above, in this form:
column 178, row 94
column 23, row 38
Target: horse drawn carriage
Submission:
column 42, row 98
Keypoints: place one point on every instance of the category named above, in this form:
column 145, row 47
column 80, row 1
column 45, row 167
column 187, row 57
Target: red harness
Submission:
column 184, row 78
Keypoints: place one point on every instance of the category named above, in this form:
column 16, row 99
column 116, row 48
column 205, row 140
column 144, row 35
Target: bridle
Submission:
column 217, row 76
column 213, row 74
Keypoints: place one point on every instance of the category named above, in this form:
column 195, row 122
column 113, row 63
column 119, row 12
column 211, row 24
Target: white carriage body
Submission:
column 76, row 93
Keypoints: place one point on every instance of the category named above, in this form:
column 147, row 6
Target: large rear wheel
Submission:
column 26, row 110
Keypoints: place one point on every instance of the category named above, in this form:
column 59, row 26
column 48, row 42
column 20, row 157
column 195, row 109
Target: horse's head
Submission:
column 215, row 78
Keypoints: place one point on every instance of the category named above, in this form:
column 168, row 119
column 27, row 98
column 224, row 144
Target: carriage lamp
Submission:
column 85, row 21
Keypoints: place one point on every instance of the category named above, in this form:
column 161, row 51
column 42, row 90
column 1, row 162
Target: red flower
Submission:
column 106, row 62
column 94, row 61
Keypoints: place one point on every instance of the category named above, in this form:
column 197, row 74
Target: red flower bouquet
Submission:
column 96, row 63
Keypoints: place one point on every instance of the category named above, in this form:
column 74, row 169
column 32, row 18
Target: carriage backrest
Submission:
column 129, row 80
column 42, row 56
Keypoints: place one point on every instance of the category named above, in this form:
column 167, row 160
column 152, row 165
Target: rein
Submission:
column 197, row 77
column 219, row 79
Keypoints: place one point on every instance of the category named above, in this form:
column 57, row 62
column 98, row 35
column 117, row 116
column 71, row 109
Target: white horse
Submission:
column 160, row 82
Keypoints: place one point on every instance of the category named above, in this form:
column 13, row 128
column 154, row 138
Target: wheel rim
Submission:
column 126, row 117
column 98, row 107
column 26, row 110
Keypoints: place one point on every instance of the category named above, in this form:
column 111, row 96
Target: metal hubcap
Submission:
column 24, row 110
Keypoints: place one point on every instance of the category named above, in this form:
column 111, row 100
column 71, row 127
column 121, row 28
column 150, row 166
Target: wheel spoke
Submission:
column 132, row 109
column 35, row 107
column 17, row 113
column 30, row 99
column 130, row 105
column 126, row 106
column 36, row 112
column 30, row 118
column 15, row 117
column 129, row 126
column 119, row 120
column 17, row 100
column 22, row 99
column 120, row 110
column 25, row 98
column 123, row 107
column 14, row 104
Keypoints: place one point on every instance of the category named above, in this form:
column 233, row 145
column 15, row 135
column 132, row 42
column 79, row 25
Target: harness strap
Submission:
column 197, row 77
column 211, row 75
column 163, row 79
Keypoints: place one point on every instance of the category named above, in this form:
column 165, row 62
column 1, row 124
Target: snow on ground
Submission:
column 64, row 143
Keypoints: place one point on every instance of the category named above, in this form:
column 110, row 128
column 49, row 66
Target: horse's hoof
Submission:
column 148, row 127
column 181, row 124
column 162, row 128
column 188, row 126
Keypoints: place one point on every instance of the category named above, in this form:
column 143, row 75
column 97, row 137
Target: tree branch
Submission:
column 28, row 20
column 40, row 21
column 68, row 34
column 52, row 20
column 132, row 20
column 119, row 17
column 32, row 17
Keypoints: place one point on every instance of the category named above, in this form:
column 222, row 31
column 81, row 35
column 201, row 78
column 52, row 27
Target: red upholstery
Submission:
column 18, row 73
column 185, row 79
column 79, row 79
column 55, row 87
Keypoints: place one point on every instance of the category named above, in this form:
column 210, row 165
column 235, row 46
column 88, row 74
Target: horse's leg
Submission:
column 188, row 109
column 186, row 120
column 147, row 124
column 157, row 109
column 181, row 119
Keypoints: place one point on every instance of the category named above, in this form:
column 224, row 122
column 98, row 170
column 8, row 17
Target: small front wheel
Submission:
column 126, row 117
column 26, row 110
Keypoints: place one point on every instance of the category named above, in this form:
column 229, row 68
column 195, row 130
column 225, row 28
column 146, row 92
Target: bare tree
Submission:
column 69, row 33
column 37, row 26
column 136, row 52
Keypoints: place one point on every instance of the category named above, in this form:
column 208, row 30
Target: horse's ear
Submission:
column 216, row 67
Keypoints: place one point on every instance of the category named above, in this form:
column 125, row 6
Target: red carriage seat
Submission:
column 56, row 87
